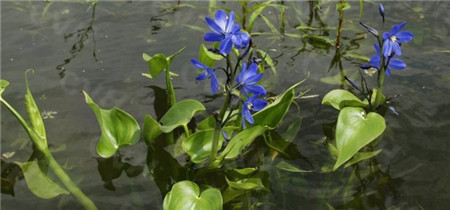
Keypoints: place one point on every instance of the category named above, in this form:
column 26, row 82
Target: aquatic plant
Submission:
column 360, row 122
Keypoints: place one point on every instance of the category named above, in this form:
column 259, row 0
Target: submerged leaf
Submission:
column 39, row 183
column 186, row 195
column 119, row 128
column 283, row 165
column 354, row 130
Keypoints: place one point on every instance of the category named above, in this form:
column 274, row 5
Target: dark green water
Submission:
column 103, row 57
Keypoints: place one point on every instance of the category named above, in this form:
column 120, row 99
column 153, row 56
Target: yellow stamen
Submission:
column 393, row 38
column 249, row 106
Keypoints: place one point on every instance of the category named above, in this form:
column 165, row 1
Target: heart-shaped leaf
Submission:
column 185, row 195
column 39, row 183
column 119, row 128
column 341, row 98
column 156, row 64
column 354, row 130
column 180, row 114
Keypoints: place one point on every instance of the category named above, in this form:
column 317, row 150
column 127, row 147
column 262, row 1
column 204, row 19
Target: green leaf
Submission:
column 317, row 41
column 119, row 128
column 198, row 145
column 245, row 171
column 257, row 9
column 146, row 57
column 246, row 184
column 156, row 64
column 240, row 141
column 268, row 60
column 151, row 130
column 34, row 115
column 273, row 113
column 341, row 98
column 360, row 156
column 293, row 129
column 207, row 123
column 342, row 6
column 3, row 85
column 186, row 195
column 180, row 114
column 171, row 57
column 39, row 183
column 283, row 165
column 354, row 130
column 208, row 58
column 373, row 98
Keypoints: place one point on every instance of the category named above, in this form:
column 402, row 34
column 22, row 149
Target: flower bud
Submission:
column 381, row 10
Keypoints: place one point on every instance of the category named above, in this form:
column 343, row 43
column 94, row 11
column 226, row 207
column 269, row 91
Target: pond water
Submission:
column 76, row 46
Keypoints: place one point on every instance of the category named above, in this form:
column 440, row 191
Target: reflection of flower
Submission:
column 247, row 79
column 394, row 63
column 394, row 38
column 226, row 31
column 251, row 104
column 209, row 73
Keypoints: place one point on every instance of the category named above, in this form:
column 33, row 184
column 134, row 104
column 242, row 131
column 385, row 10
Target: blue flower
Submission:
column 247, row 79
column 251, row 104
column 226, row 31
column 394, row 38
column 394, row 63
column 381, row 10
column 209, row 73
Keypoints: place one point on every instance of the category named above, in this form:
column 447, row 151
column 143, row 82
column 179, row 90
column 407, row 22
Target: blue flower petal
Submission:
column 198, row 64
column 396, row 28
column 387, row 48
column 230, row 23
column 221, row 19
column 213, row 37
column 257, row 90
column 258, row 104
column 404, row 36
column 203, row 75
column 386, row 35
column 253, row 79
column 226, row 45
column 214, row 84
column 213, row 26
column 396, row 64
column 388, row 72
column 397, row 49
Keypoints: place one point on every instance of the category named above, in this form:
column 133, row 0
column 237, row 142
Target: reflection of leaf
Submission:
column 39, row 183
column 111, row 168
column 354, row 130
column 246, row 184
column 119, row 128
column 283, row 165
column 186, row 195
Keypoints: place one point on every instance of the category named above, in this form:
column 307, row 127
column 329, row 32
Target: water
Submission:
column 103, row 57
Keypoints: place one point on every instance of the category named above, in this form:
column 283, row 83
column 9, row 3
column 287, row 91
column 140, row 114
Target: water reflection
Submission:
column 82, row 35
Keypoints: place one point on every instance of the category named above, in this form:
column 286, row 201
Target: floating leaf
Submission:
column 340, row 98
column 246, row 184
column 186, row 195
column 119, row 128
column 180, row 114
column 39, row 183
column 199, row 144
column 354, row 130
column 283, row 165
column 240, row 141
column 151, row 129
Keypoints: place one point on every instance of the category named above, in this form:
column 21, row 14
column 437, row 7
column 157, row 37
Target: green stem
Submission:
column 215, row 142
column 186, row 130
column 171, row 99
column 65, row 179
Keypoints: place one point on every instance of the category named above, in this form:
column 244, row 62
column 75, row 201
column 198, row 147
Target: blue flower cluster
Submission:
column 246, row 85
column 391, row 47
column 225, row 31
